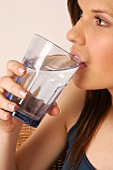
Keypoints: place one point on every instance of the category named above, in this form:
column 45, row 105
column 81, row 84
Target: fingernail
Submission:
column 5, row 116
column 11, row 106
column 22, row 93
column 21, row 70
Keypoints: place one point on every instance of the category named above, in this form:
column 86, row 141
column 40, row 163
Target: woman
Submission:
column 86, row 112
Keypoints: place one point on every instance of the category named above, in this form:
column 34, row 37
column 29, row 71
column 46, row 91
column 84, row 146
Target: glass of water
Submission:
column 49, row 69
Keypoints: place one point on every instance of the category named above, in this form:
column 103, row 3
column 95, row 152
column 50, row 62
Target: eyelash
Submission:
column 80, row 13
column 99, row 20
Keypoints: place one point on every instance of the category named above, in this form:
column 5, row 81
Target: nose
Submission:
column 76, row 35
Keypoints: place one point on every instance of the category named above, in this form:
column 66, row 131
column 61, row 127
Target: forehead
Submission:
column 94, row 4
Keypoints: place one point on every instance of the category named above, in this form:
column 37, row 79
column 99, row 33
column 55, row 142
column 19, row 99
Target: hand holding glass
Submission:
column 49, row 69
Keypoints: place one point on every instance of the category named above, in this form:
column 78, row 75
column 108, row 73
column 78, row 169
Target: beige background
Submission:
column 21, row 19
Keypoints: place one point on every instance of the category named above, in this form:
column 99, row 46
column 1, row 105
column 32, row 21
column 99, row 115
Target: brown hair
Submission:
column 96, row 106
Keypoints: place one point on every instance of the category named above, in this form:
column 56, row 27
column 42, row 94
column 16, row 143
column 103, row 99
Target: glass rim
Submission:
column 74, row 56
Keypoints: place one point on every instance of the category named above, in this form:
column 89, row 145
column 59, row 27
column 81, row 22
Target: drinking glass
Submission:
column 49, row 68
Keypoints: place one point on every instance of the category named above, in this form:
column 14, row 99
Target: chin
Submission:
column 79, row 82
column 82, row 84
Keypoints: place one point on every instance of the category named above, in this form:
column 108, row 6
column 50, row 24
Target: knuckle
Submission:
column 13, row 64
column 15, row 67
column 14, row 86
column 10, row 63
column 2, row 103
column 3, row 80
column 9, row 84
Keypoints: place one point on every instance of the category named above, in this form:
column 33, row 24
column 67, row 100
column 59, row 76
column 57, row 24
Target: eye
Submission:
column 81, row 14
column 100, row 21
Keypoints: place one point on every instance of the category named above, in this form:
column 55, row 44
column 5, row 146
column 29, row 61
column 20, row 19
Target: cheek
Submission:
column 99, row 54
column 101, row 51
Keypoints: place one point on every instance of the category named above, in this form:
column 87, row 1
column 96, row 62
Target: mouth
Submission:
column 83, row 65
column 77, row 55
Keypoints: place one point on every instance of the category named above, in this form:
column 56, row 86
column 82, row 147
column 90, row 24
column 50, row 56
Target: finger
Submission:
column 2, row 90
column 15, row 68
column 11, row 86
column 54, row 110
column 4, row 115
column 6, row 104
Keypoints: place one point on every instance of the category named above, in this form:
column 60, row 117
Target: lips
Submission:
column 74, row 52
column 83, row 65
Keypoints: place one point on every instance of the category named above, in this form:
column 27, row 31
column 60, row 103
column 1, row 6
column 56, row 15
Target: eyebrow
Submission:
column 102, row 11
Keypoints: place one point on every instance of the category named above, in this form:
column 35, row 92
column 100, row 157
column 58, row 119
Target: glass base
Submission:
column 25, row 119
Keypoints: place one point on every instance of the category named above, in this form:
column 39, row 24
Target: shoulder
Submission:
column 71, row 103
